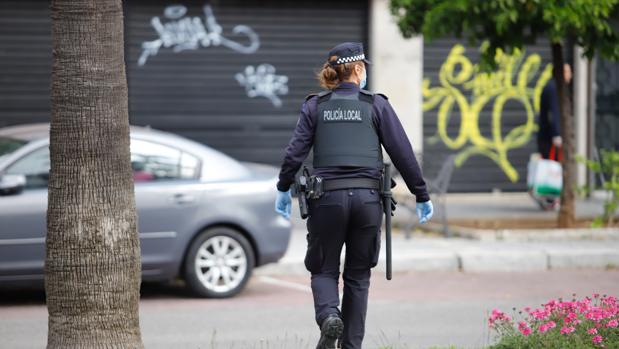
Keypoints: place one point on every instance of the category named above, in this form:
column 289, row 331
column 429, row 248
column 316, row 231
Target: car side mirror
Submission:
column 12, row 184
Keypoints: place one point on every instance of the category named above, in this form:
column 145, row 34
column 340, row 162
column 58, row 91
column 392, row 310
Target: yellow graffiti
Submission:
column 458, row 78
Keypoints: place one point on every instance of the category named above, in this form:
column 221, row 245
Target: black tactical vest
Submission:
column 345, row 134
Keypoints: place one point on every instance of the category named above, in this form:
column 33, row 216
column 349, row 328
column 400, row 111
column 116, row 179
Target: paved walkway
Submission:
column 423, row 252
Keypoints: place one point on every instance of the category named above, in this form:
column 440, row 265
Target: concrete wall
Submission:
column 397, row 69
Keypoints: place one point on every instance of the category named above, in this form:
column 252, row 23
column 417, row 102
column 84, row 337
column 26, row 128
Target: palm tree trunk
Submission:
column 92, row 266
column 567, row 211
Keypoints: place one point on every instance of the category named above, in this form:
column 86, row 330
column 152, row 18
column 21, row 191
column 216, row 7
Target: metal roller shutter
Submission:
column 189, row 85
column 607, row 105
column 25, row 62
column 195, row 91
column 478, row 173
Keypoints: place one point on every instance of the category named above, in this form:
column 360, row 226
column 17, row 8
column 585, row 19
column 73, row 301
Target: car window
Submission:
column 152, row 161
column 190, row 166
column 35, row 166
column 9, row 145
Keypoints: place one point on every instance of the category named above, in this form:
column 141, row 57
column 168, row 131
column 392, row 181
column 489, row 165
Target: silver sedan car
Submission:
column 203, row 216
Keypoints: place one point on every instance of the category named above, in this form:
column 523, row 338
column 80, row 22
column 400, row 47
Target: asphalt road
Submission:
column 415, row 310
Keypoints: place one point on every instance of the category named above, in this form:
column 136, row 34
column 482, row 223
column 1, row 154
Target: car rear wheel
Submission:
column 219, row 263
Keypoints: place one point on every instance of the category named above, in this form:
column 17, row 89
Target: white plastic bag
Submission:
column 545, row 177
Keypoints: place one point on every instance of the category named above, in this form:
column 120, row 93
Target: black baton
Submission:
column 386, row 193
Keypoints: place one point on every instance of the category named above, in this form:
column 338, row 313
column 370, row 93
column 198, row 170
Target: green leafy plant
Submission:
column 607, row 167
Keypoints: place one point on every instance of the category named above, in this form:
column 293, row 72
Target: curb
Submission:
column 532, row 235
column 519, row 235
column 475, row 260
column 598, row 259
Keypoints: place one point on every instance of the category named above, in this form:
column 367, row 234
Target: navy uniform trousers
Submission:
column 352, row 217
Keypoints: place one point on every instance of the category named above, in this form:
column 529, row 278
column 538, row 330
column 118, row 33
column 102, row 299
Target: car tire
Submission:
column 219, row 263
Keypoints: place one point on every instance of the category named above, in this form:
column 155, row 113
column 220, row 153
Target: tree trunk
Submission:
column 567, row 211
column 92, row 266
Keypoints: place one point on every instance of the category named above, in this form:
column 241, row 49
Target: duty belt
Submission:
column 350, row 183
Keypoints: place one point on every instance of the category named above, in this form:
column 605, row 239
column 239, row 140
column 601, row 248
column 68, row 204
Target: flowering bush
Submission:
column 592, row 322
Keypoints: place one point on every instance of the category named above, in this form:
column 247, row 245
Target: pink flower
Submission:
column 596, row 312
column 572, row 318
column 526, row 331
column 568, row 306
column 497, row 316
column 540, row 314
column 547, row 326
column 595, row 315
column 597, row 339
column 566, row 330
column 524, row 328
column 610, row 300
column 583, row 305
column 551, row 304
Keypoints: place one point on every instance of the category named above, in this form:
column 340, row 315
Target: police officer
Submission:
column 346, row 126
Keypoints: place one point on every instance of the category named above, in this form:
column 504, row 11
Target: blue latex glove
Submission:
column 425, row 210
column 283, row 203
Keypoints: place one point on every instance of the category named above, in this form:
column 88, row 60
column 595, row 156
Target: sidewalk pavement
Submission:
column 499, row 205
column 423, row 252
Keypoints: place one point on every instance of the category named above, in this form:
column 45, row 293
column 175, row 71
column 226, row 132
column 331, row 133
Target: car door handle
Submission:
column 183, row 199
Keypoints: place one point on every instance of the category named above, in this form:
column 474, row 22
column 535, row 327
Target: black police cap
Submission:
column 347, row 52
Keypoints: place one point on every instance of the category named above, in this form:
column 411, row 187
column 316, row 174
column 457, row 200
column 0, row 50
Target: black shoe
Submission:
column 330, row 329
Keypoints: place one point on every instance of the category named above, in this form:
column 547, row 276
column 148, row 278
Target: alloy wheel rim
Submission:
column 221, row 264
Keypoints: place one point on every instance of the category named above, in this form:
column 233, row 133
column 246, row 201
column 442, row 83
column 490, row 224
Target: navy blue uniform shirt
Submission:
column 391, row 135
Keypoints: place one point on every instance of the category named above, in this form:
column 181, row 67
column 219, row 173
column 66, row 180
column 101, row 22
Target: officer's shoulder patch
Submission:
column 366, row 92
column 309, row 96
column 382, row 95
column 319, row 94
column 366, row 96
column 372, row 94
column 324, row 96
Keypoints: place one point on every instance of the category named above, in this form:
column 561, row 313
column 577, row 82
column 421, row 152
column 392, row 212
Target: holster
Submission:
column 316, row 188
column 308, row 187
